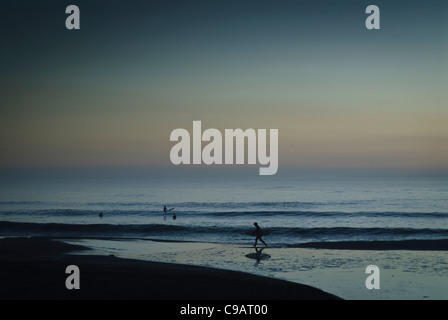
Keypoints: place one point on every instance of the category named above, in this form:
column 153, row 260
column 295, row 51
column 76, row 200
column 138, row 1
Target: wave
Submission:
column 73, row 212
column 341, row 214
column 229, row 233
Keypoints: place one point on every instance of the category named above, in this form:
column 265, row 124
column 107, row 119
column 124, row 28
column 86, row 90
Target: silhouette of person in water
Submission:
column 258, row 234
column 164, row 209
column 101, row 214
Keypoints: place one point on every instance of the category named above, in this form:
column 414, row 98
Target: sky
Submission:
column 110, row 93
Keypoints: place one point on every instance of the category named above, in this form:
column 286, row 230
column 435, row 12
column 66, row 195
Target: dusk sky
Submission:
column 110, row 93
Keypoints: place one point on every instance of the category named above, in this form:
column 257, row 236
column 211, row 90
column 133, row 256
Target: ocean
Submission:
column 220, row 205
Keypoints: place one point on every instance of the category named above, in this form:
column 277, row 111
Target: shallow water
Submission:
column 404, row 274
column 214, row 209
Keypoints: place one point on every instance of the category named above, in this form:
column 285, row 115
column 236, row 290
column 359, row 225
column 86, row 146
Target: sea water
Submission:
column 214, row 209
column 219, row 205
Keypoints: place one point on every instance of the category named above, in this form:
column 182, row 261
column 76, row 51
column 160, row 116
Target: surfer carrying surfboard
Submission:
column 258, row 234
column 165, row 210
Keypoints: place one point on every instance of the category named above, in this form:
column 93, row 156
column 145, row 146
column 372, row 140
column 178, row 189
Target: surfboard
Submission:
column 254, row 232
column 170, row 209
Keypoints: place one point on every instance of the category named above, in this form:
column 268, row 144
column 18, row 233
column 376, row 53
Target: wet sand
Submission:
column 34, row 269
column 433, row 245
column 407, row 271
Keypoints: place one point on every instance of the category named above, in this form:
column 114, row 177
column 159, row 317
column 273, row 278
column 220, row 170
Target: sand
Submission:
column 407, row 271
column 34, row 269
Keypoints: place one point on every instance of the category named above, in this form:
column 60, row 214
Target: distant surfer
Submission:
column 165, row 210
column 101, row 214
column 258, row 234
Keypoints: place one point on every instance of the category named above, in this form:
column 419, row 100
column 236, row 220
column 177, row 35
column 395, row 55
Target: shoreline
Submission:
column 34, row 269
column 404, row 244
column 430, row 245
column 171, row 270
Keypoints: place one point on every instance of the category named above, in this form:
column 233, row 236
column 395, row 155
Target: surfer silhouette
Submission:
column 258, row 234
column 164, row 209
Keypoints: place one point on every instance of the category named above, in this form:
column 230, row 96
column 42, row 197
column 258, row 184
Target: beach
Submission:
column 409, row 270
column 34, row 269
column 323, row 233
column 249, row 151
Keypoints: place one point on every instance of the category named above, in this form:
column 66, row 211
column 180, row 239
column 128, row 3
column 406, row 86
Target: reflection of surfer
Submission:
column 258, row 234
column 258, row 254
